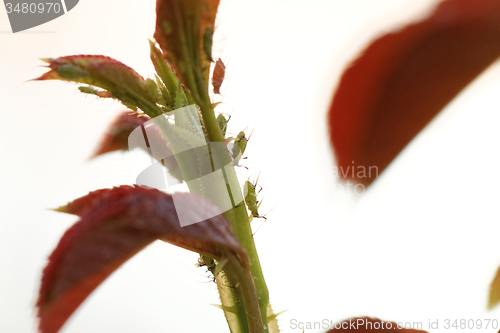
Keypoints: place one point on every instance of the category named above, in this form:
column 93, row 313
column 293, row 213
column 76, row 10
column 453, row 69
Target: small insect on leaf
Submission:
column 218, row 76
column 251, row 199
column 222, row 122
column 89, row 90
column 70, row 72
column 152, row 90
column 207, row 43
column 240, row 144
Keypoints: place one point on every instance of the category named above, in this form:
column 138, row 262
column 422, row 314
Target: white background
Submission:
column 421, row 244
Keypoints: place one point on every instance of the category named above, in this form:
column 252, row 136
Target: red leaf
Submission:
column 92, row 69
column 403, row 79
column 119, row 80
column 218, row 75
column 371, row 325
column 117, row 136
column 189, row 23
column 114, row 225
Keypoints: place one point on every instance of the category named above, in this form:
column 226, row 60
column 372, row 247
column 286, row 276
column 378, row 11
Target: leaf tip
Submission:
column 61, row 209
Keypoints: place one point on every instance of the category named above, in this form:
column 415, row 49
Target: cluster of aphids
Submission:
column 239, row 146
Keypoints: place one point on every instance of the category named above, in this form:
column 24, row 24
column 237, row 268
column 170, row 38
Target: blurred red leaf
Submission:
column 114, row 225
column 117, row 135
column 494, row 296
column 218, row 75
column 370, row 325
column 403, row 79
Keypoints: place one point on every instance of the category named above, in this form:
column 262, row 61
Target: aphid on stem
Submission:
column 249, row 190
column 240, row 144
column 239, row 147
column 253, row 205
column 214, row 267
column 222, row 122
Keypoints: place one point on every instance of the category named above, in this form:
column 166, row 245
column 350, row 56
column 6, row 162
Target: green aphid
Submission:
column 251, row 199
column 167, row 27
column 152, row 90
column 165, row 96
column 222, row 122
column 207, row 43
column 240, row 144
column 89, row 90
column 71, row 72
column 214, row 267
column 180, row 98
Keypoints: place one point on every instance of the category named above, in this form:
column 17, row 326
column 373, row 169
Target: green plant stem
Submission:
column 238, row 220
column 237, row 217
column 247, row 288
column 232, row 304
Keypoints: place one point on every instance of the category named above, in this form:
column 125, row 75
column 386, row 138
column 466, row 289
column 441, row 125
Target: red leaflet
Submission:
column 117, row 136
column 91, row 68
column 118, row 80
column 218, row 75
column 114, row 225
column 189, row 23
column 371, row 325
column 403, row 79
